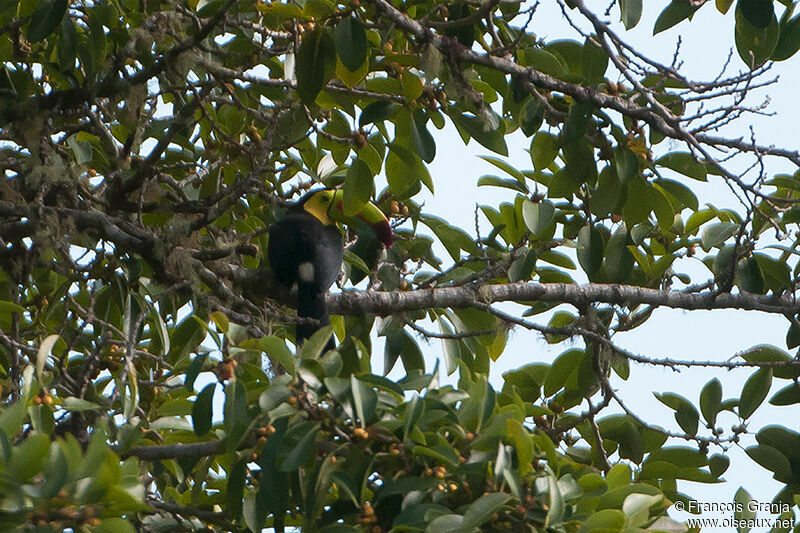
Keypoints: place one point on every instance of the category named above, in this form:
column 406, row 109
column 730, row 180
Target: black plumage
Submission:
column 305, row 251
column 305, row 248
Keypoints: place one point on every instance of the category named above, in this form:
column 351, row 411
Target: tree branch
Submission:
column 387, row 303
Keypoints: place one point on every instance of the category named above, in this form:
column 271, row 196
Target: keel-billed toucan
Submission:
column 305, row 247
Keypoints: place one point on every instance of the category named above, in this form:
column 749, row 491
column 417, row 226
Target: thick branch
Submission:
column 387, row 303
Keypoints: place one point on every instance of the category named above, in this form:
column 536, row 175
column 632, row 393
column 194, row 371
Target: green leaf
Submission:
column 680, row 193
column 505, row 167
column 626, row 163
column 43, row 353
column 687, row 418
column 413, row 412
column 609, row 194
column 221, row 320
column 594, row 62
column 364, row 400
column 488, row 135
column 754, row 392
column 45, row 19
column 716, row 234
column 773, row 460
column 202, row 410
column 301, row 452
column 251, row 515
column 494, row 181
column 769, row 353
column 160, row 342
column 522, row 267
column 186, row 336
column 559, row 319
column 605, row 520
column 234, row 413
column 56, row 470
column 355, row 260
column 195, row 367
column 481, row 510
column 351, row 43
column 422, row 139
column 578, row 117
column 68, row 41
column 538, row 216
column 358, row 187
column 789, row 395
column 448, row 523
column 10, row 307
column 685, row 413
column 72, row 403
column 404, row 172
column 376, row 112
column 681, row 456
column 81, row 149
column 531, row 116
column 793, row 336
column 235, row 487
column 316, row 63
column 404, row 346
column 723, row 5
column 618, row 258
column 777, row 275
column 630, row 12
column 742, row 510
column 412, row 85
column 316, row 345
column 718, row 464
column 683, row 163
column 697, row 219
column 755, row 44
column 759, row 13
column 750, row 277
column 28, row 457
column 371, row 157
column 789, row 40
column 277, row 351
column 637, row 507
column 541, row 60
column 590, row 249
column 710, row 400
column 677, row 11
column 562, row 368
column 520, row 438
column 465, row 32
column 543, row 150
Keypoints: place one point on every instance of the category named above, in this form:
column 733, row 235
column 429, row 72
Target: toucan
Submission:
column 306, row 248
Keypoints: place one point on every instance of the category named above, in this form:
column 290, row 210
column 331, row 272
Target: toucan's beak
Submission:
column 369, row 214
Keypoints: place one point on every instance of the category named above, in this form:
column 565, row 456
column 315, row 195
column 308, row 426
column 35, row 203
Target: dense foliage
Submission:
column 149, row 378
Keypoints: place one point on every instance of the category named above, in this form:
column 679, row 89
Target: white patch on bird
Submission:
column 305, row 272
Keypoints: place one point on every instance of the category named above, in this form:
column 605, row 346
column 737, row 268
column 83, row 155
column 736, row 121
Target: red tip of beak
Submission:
column 384, row 232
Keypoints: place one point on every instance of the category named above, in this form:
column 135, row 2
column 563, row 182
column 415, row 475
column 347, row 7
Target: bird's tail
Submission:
column 311, row 304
